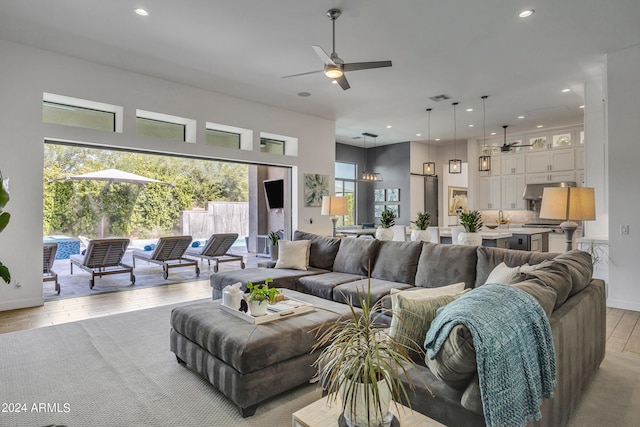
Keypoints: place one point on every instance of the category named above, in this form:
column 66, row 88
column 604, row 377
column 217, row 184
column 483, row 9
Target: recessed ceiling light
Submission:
column 539, row 126
column 582, row 106
column 388, row 126
column 469, row 109
column 521, row 117
column 304, row 94
column 335, row 82
column 437, row 139
column 418, row 134
column 471, row 126
column 493, row 133
column 141, row 12
column 526, row 13
column 566, row 90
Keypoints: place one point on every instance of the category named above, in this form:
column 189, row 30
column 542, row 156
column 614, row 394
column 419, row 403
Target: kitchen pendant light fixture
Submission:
column 429, row 168
column 455, row 164
column 484, row 161
column 367, row 176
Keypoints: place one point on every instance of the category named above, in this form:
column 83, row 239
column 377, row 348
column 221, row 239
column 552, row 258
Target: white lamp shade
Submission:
column 568, row 203
column 334, row 205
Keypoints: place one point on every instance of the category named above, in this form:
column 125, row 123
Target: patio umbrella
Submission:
column 112, row 175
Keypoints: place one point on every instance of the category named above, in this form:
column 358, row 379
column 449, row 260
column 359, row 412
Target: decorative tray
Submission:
column 287, row 307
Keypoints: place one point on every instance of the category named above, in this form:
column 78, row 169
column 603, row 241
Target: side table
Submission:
column 320, row 414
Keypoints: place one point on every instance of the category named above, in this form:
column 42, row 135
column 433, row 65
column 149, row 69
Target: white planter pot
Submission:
column 384, row 233
column 470, row 239
column 420, row 235
column 258, row 308
column 363, row 416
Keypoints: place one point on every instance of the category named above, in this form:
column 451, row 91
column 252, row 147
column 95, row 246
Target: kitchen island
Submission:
column 530, row 239
column 494, row 239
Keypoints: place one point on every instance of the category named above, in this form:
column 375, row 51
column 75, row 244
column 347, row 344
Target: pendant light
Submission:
column 455, row 164
column 429, row 168
column 484, row 161
column 367, row 176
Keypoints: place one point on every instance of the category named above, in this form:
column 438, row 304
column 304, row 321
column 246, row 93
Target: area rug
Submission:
column 118, row 371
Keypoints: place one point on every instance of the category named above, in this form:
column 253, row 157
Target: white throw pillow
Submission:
column 506, row 275
column 293, row 254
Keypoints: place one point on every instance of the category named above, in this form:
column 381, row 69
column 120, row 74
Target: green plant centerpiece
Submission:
column 387, row 220
column 260, row 296
column 362, row 364
column 423, row 219
column 4, row 220
column 273, row 236
column 472, row 223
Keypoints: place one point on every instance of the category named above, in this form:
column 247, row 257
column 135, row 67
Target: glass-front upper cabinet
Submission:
column 561, row 140
column 538, row 142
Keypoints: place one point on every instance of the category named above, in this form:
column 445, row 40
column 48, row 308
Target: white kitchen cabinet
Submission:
column 512, row 190
column 513, row 164
column 490, row 192
column 543, row 178
column 551, row 161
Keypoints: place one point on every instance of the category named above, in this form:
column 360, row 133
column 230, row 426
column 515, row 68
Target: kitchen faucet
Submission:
column 500, row 217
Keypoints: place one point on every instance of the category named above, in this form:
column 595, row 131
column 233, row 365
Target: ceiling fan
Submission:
column 334, row 66
column 506, row 147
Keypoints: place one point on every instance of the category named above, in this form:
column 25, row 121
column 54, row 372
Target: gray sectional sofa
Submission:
column 573, row 301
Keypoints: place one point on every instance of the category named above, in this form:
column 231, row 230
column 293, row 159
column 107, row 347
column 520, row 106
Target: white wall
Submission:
column 28, row 72
column 623, row 110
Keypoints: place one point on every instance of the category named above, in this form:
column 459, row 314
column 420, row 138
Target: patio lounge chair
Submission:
column 48, row 257
column 217, row 249
column 169, row 253
column 102, row 258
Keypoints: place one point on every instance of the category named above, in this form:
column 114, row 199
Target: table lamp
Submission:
column 568, row 204
column 334, row 206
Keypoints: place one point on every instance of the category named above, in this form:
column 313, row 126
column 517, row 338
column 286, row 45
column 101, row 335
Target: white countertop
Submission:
column 488, row 234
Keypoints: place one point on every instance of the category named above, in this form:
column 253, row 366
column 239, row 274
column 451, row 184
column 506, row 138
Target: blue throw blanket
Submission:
column 514, row 350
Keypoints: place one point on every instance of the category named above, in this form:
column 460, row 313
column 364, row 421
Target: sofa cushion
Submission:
column 323, row 249
column 322, row 285
column 412, row 318
column 355, row 255
column 455, row 363
column 379, row 288
column 580, row 266
column 489, row 258
column 556, row 276
column 442, row 264
column 397, row 261
column 282, row 278
column 471, row 398
column 293, row 254
column 545, row 295
column 504, row 274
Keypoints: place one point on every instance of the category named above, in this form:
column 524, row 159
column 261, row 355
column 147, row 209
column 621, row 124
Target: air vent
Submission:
column 439, row 98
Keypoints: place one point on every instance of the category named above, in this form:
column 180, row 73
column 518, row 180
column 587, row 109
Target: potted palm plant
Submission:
column 4, row 220
column 472, row 223
column 362, row 365
column 387, row 220
column 423, row 219
column 260, row 296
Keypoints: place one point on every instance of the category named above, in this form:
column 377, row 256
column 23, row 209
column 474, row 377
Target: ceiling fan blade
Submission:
column 326, row 59
column 302, row 74
column 354, row 66
column 342, row 81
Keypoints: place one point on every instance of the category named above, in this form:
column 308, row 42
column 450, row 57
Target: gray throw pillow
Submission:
column 397, row 261
column 556, row 276
column 455, row 363
column 471, row 398
column 580, row 267
column 323, row 250
column 355, row 255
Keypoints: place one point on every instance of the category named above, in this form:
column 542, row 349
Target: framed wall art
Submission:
column 457, row 199
column 379, row 195
column 315, row 187
column 394, row 208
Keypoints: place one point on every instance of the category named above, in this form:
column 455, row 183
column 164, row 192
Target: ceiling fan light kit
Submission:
column 334, row 66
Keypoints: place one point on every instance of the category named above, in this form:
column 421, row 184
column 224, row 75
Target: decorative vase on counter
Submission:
column 384, row 233
column 420, row 235
column 273, row 251
column 469, row 239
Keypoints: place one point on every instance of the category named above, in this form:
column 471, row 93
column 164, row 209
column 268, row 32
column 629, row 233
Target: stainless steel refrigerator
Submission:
column 431, row 198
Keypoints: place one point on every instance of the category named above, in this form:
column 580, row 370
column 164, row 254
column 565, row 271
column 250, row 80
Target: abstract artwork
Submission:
column 315, row 187
column 379, row 195
column 393, row 195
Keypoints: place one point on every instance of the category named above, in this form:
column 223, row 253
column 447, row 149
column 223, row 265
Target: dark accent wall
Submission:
column 393, row 162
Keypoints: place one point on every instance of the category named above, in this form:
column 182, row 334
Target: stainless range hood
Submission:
column 533, row 192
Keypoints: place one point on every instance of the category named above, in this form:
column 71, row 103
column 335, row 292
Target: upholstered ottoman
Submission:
column 250, row 363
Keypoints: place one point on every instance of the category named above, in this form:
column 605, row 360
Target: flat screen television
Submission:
column 274, row 190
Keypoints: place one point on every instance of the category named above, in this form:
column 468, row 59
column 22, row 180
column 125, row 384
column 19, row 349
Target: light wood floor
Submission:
column 623, row 326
